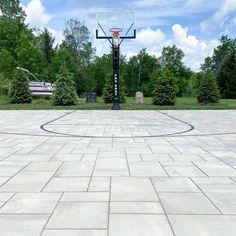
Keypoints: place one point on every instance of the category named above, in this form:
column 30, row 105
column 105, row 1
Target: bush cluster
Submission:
column 65, row 91
column 19, row 91
column 208, row 91
column 165, row 89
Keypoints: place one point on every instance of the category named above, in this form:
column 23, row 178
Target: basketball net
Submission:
column 116, row 36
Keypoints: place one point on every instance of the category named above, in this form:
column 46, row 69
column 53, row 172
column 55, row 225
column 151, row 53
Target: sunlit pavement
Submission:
column 118, row 173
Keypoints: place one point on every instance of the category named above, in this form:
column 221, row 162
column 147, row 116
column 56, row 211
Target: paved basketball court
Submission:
column 117, row 173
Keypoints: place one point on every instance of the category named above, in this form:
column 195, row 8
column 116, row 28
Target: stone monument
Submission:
column 139, row 98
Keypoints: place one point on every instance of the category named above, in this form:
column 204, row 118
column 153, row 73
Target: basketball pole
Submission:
column 116, row 76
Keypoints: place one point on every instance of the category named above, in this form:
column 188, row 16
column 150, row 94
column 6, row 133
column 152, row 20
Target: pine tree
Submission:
column 227, row 77
column 165, row 89
column 65, row 92
column 19, row 91
column 208, row 91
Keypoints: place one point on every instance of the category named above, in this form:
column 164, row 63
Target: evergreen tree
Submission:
column 208, row 90
column 108, row 90
column 227, row 77
column 47, row 42
column 48, row 51
column 64, row 93
column 7, row 65
column 172, row 59
column 20, row 92
column 221, row 64
column 165, row 88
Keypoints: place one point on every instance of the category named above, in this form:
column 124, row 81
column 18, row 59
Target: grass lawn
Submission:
column 181, row 104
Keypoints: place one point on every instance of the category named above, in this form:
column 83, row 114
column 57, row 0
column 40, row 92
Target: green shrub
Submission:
column 65, row 92
column 4, row 89
column 19, row 91
column 165, row 89
column 107, row 94
column 227, row 77
column 208, row 91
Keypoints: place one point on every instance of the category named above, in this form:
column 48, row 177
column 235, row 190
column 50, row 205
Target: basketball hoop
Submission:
column 116, row 35
column 116, row 27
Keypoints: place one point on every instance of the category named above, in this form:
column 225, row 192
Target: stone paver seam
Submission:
column 219, row 159
column 39, row 145
column 199, row 169
column 207, row 197
column 4, row 139
column 72, row 127
column 159, row 161
column 173, row 145
column 234, row 180
column 8, row 200
column 94, row 166
column 127, row 163
column 15, row 174
column 11, row 154
column 82, row 158
column 199, row 214
column 219, row 141
column 133, row 138
column 148, row 132
column 140, row 155
column 72, row 150
column 13, row 140
column 162, row 166
column 149, row 147
column 52, row 177
column 204, row 160
column 109, row 207
column 4, row 182
column 172, row 229
column 204, row 142
column 62, row 193
column 58, row 151
column 171, row 157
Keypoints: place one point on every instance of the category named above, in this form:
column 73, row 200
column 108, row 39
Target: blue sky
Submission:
column 193, row 25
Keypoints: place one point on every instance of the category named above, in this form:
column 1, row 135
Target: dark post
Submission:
column 116, row 77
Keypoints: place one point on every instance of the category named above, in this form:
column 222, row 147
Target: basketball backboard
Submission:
column 122, row 21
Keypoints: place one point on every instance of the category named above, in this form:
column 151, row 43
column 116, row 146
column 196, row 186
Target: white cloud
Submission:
column 38, row 18
column 222, row 17
column 226, row 8
column 149, row 38
column 36, row 14
column 57, row 34
column 102, row 46
column 195, row 50
column 148, row 3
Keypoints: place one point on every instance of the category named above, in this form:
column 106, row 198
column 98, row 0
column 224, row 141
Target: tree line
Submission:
column 19, row 46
